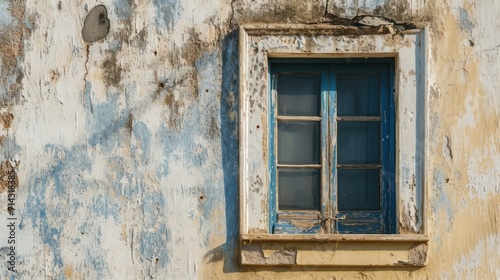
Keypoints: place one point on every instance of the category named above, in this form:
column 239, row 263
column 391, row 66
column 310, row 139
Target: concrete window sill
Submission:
column 334, row 250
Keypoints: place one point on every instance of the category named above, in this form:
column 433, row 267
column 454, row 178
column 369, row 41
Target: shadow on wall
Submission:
column 229, row 134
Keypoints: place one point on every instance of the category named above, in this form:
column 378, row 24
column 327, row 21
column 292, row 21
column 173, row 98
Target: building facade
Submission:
column 137, row 139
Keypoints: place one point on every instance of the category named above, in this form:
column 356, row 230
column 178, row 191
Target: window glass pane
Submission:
column 298, row 189
column 358, row 189
column 299, row 142
column 298, row 95
column 358, row 95
column 358, row 142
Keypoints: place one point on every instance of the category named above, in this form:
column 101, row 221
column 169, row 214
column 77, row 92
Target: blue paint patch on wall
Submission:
column 9, row 149
column 123, row 9
column 6, row 18
column 62, row 176
column 116, row 45
column 29, row 24
column 181, row 145
column 103, row 205
column 167, row 13
column 153, row 206
column 465, row 20
column 87, row 94
column 405, row 174
column 126, row 179
column 441, row 201
column 93, row 251
column 371, row 4
column 106, row 124
column 153, row 247
column 143, row 139
column 163, row 134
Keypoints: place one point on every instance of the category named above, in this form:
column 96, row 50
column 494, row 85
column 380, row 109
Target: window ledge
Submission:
column 334, row 249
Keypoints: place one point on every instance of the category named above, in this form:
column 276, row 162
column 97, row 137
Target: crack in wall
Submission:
column 231, row 18
column 87, row 55
column 448, row 145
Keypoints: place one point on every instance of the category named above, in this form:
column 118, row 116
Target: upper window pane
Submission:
column 298, row 94
column 358, row 95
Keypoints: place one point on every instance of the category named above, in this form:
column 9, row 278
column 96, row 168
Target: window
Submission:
column 332, row 146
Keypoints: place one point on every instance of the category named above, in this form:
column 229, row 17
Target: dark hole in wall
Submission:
column 96, row 24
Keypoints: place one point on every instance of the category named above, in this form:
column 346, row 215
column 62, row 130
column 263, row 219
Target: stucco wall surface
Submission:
column 126, row 149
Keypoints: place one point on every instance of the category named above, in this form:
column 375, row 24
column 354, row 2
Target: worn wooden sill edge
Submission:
column 421, row 238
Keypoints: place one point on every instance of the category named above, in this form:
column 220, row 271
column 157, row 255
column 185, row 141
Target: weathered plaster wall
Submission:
column 126, row 149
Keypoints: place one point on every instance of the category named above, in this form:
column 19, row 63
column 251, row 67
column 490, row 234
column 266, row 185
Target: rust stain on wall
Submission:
column 6, row 120
column 11, row 49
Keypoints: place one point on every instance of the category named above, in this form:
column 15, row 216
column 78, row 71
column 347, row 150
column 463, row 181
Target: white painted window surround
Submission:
column 258, row 43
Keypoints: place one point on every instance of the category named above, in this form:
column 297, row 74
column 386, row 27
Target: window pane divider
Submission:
column 299, row 118
column 359, row 118
column 316, row 166
column 359, row 166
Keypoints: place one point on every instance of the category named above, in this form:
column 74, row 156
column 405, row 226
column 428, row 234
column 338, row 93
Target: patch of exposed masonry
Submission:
column 368, row 21
column 253, row 253
column 231, row 18
column 417, row 256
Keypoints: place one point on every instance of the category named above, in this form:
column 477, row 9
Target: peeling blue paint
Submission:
column 96, row 255
column 441, row 201
column 123, row 9
column 9, row 149
column 128, row 181
column 405, row 174
column 62, row 181
column 182, row 144
column 103, row 205
column 107, row 124
column 115, row 45
column 352, row 8
column 163, row 168
column 6, row 18
column 28, row 24
column 153, row 206
column 167, row 13
column 152, row 245
column 373, row 4
column 143, row 138
column 465, row 20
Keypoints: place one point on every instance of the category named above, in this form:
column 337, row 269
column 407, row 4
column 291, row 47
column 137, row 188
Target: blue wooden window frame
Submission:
column 329, row 219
